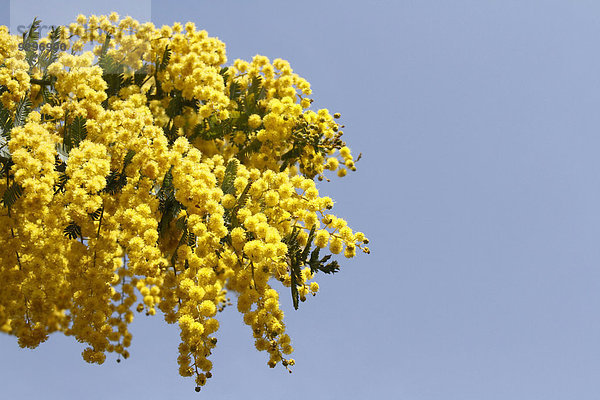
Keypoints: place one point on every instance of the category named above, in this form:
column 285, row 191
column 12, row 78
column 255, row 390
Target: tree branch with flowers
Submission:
column 144, row 174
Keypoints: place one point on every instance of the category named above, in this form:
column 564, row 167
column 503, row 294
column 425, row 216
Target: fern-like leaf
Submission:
column 330, row 268
column 77, row 131
column 165, row 59
column 229, row 177
column 59, row 187
column 235, row 90
column 95, row 216
column 252, row 147
column 140, row 75
column 128, row 158
column 50, row 55
column 11, row 195
column 72, row 231
column 30, row 39
column 191, row 240
column 22, row 111
column 117, row 180
column 175, row 107
column 105, row 47
column 6, row 122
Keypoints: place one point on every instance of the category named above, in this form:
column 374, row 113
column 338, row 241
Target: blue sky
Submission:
column 479, row 125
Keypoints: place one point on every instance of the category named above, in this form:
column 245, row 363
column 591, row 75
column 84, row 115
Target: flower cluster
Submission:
column 14, row 77
column 147, row 176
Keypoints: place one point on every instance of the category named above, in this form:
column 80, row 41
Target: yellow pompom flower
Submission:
column 322, row 238
column 228, row 201
column 336, row 246
column 254, row 121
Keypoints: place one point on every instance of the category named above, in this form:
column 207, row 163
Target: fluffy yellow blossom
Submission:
column 254, row 121
column 172, row 185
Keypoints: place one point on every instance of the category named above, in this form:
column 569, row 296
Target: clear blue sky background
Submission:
column 479, row 187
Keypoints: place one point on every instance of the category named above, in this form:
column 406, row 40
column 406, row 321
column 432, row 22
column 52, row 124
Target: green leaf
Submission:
column 235, row 90
column 104, row 49
column 33, row 34
column 295, row 263
column 30, row 38
column 140, row 75
column 77, row 130
column 6, row 123
column 319, row 265
column 72, row 231
column 48, row 96
column 184, row 239
column 191, row 240
column 50, row 54
column 255, row 92
column 165, row 59
column 330, row 268
column 128, row 157
column 60, row 185
column 175, row 106
column 313, row 262
column 6, row 164
column 112, row 183
column 298, row 258
column 252, row 147
column 212, row 129
column 117, row 180
column 106, row 62
column 290, row 157
column 95, row 216
column 198, row 131
column 113, row 75
column 239, row 203
column 11, row 195
column 292, row 238
column 293, row 153
column 59, row 165
column 181, row 223
column 22, row 111
column 229, row 177
column 295, row 279
column 295, row 275
column 255, row 85
column 224, row 72
column 168, row 206
column 311, row 236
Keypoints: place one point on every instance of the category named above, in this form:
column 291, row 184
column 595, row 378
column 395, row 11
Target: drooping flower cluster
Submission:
column 146, row 175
